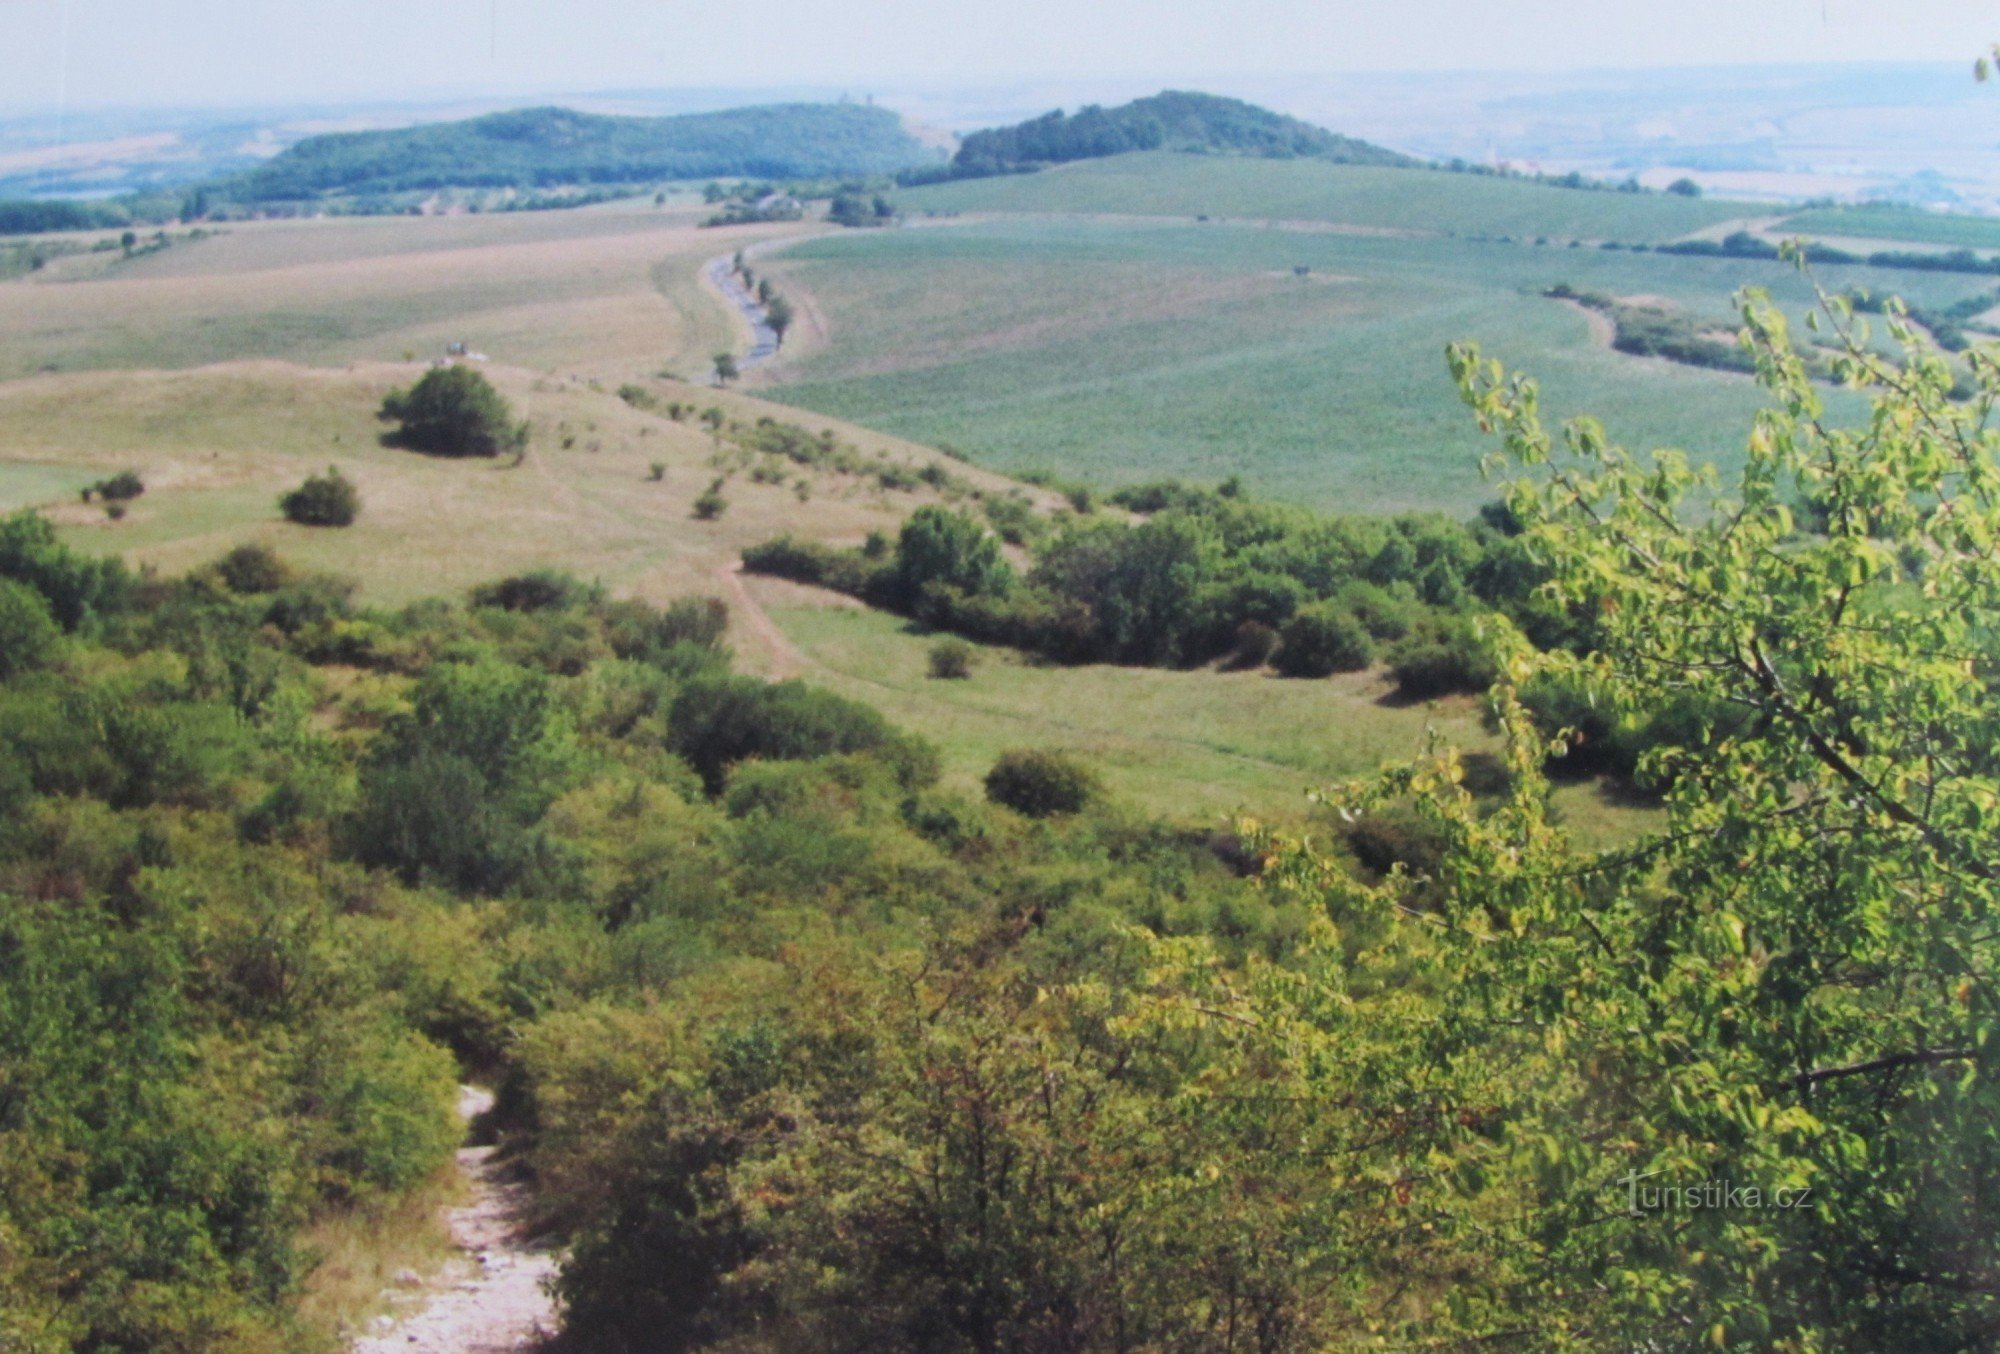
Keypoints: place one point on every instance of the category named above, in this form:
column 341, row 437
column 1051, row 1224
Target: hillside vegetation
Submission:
column 1174, row 120
column 535, row 147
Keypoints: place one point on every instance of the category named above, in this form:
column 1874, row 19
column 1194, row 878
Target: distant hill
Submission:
column 541, row 147
column 1174, row 120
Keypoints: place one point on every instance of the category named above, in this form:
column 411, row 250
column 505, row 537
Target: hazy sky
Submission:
column 89, row 53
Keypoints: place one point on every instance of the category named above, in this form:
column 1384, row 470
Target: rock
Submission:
column 409, row 1278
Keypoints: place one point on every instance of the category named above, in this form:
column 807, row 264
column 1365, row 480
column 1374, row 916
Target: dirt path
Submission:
column 1602, row 330
column 494, row 1298
column 786, row 660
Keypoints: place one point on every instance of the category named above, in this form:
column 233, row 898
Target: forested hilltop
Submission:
column 1172, row 120
column 539, row 147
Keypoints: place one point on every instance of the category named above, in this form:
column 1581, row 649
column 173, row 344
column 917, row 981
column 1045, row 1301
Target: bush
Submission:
column 716, row 723
column 540, row 590
column 328, row 500
column 1448, row 658
column 951, row 659
column 1040, row 784
column 253, row 568
column 28, row 632
column 1320, row 641
column 711, row 504
column 453, row 411
column 76, row 588
column 120, row 488
column 1255, row 643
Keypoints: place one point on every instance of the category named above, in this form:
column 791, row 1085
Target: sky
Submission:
column 82, row 54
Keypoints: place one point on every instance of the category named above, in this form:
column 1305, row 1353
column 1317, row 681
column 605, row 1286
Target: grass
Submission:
column 1162, row 183
column 1889, row 223
column 1184, row 744
column 1122, row 350
column 357, row 1253
column 611, row 291
column 217, row 447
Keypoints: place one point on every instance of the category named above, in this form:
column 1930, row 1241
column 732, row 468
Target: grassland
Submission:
column 1897, row 224
column 1162, row 183
column 1186, row 744
column 610, row 291
column 1119, row 350
column 217, row 446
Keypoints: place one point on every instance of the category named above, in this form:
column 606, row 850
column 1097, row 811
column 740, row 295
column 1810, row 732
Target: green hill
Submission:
column 537, row 147
column 1173, row 120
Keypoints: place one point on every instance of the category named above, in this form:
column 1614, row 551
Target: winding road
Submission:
column 722, row 276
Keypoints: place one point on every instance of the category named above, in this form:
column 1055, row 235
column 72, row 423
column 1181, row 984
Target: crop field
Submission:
column 1357, row 196
column 610, row 291
column 1118, row 351
column 1897, row 224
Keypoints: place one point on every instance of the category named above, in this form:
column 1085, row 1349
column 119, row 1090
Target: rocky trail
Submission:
column 494, row 1297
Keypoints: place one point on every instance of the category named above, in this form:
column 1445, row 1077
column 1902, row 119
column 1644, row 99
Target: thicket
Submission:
column 1179, row 587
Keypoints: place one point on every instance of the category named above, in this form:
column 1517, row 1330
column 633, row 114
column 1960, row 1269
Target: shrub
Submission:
column 76, row 588
column 119, row 488
column 951, row 659
column 1320, row 641
column 1255, row 643
column 328, row 500
column 716, row 723
column 116, row 510
column 28, row 632
column 1447, row 658
column 539, row 590
column 453, row 411
column 253, row 568
column 711, row 504
column 657, row 471
column 1040, row 784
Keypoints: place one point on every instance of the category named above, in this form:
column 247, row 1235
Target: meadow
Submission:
column 1897, row 224
column 1359, row 197
column 1120, row 350
column 1193, row 744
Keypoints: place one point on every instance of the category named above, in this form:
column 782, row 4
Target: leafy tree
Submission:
column 328, row 500
column 29, row 635
column 454, row 411
column 709, row 504
column 253, row 568
column 778, row 314
column 1684, row 187
column 1320, row 641
column 946, row 548
column 77, row 589
column 725, row 368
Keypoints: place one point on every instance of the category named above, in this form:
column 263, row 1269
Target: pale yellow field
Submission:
column 611, row 291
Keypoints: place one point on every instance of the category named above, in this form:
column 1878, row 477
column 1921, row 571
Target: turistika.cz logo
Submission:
column 1642, row 1198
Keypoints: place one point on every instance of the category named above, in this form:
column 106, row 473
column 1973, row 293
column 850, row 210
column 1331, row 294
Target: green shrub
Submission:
column 78, row 589
column 122, row 487
column 1255, row 643
column 328, row 500
column 253, row 568
column 538, row 590
column 1443, row 659
column 29, row 634
column 711, row 504
column 453, row 411
column 716, row 723
column 1320, row 641
column 1040, row 783
column 951, row 659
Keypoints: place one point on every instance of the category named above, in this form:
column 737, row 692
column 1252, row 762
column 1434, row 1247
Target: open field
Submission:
column 1186, row 744
column 610, row 291
column 1893, row 225
column 217, row 446
column 1122, row 350
column 1160, row 183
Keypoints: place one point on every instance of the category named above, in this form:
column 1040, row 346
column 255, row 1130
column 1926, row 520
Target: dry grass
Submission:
column 357, row 1254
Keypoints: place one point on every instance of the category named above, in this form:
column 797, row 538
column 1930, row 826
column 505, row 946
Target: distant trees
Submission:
column 28, row 630
column 725, row 368
column 119, row 488
column 328, row 500
column 1684, row 187
column 453, row 411
column 778, row 314
column 710, row 504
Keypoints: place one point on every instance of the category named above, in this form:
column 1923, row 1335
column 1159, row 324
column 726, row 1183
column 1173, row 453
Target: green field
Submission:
column 1161, row 183
column 1179, row 743
column 1120, row 350
column 1898, row 223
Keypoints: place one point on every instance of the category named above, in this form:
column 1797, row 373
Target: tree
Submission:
column 28, row 632
column 943, row 548
column 778, row 314
column 951, row 659
column 328, row 500
column 454, row 411
column 710, row 504
column 1684, row 188
column 1319, row 641
column 725, row 368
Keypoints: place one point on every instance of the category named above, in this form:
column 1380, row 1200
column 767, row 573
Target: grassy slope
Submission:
column 1121, row 350
column 1162, row 183
column 217, row 446
column 1892, row 224
column 609, row 291
column 1185, row 744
